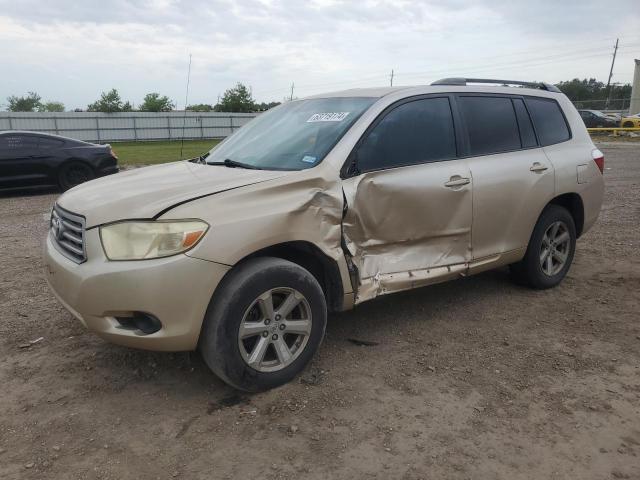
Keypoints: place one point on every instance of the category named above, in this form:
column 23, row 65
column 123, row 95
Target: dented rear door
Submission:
column 409, row 201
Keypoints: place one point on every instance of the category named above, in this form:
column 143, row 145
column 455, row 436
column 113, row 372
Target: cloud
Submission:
column 70, row 51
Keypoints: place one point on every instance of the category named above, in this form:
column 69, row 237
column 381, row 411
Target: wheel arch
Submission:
column 574, row 204
column 70, row 160
column 307, row 255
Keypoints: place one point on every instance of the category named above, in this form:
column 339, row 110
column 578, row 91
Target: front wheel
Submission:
column 550, row 251
column 263, row 325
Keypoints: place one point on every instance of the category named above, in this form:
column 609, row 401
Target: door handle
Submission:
column 457, row 181
column 538, row 167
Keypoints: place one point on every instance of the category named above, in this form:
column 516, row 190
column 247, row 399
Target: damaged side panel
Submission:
column 404, row 228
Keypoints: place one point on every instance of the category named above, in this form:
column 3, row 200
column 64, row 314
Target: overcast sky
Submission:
column 71, row 50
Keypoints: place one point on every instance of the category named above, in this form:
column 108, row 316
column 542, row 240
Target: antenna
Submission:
column 186, row 100
column 391, row 77
column 292, row 86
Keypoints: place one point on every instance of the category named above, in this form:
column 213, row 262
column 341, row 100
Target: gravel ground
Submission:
column 473, row 379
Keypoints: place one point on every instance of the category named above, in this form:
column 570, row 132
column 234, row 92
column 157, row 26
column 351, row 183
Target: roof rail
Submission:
column 464, row 81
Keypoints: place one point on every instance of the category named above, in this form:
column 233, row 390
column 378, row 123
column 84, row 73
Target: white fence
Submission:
column 127, row 126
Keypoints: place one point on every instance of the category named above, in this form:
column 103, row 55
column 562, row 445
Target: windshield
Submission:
column 293, row 136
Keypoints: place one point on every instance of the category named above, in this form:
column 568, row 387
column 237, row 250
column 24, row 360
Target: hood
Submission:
column 145, row 192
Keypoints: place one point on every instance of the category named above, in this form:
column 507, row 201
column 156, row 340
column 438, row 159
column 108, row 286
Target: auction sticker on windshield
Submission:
column 328, row 117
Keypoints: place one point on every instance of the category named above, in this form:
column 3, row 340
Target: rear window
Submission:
column 491, row 124
column 549, row 121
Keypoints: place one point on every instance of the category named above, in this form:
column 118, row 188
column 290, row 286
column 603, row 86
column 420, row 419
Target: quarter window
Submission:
column 491, row 124
column 415, row 132
column 550, row 124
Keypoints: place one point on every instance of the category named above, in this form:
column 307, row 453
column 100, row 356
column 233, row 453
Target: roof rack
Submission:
column 464, row 81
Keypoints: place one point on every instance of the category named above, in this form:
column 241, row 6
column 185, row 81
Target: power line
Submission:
column 521, row 63
column 536, row 61
column 186, row 101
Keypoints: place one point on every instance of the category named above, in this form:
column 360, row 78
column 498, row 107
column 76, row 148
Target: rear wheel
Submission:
column 550, row 251
column 627, row 124
column 74, row 173
column 263, row 325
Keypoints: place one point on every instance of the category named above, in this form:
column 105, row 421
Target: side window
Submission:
column 415, row 132
column 550, row 124
column 30, row 142
column 13, row 142
column 527, row 135
column 49, row 142
column 491, row 124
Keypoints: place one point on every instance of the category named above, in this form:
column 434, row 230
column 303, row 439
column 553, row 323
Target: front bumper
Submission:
column 176, row 290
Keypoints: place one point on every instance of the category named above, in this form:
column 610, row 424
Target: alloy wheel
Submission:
column 554, row 250
column 275, row 329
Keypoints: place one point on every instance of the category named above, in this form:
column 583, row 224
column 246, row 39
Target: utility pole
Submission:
column 292, row 86
column 391, row 77
column 613, row 61
column 186, row 102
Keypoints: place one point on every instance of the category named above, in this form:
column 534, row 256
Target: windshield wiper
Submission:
column 233, row 164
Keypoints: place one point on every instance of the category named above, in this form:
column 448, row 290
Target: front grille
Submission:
column 67, row 231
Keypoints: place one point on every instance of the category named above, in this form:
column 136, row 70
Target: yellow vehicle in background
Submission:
column 632, row 121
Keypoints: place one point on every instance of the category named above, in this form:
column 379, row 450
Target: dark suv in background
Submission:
column 31, row 158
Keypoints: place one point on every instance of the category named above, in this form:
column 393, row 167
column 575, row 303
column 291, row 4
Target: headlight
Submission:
column 142, row 240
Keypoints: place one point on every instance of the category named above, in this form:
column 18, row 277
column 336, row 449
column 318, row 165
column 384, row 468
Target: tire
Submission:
column 236, row 303
column 74, row 173
column 532, row 270
column 627, row 125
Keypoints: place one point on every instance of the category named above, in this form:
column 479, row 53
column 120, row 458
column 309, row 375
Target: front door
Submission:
column 408, row 200
column 16, row 160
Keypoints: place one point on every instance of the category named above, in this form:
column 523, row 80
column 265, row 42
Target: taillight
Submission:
column 113, row 154
column 598, row 157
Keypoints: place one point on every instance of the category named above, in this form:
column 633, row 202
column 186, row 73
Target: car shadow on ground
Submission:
column 372, row 321
column 28, row 191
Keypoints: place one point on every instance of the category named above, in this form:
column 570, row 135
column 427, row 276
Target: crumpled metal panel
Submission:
column 404, row 229
column 305, row 206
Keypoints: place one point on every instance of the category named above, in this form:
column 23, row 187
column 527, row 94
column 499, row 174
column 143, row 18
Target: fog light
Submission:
column 142, row 321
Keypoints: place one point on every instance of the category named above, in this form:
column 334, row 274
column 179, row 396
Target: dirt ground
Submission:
column 473, row 379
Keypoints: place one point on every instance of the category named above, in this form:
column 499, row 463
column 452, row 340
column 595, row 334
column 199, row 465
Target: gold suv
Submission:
column 321, row 204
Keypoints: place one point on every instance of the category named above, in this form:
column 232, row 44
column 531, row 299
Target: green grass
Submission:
column 151, row 153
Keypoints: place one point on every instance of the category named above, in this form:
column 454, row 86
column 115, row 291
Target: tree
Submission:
column 28, row 103
column 200, row 107
column 110, row 102
column 51, row 107
column 153, row 102
column 236, row 99
column 590, row 93
column 261, row 107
